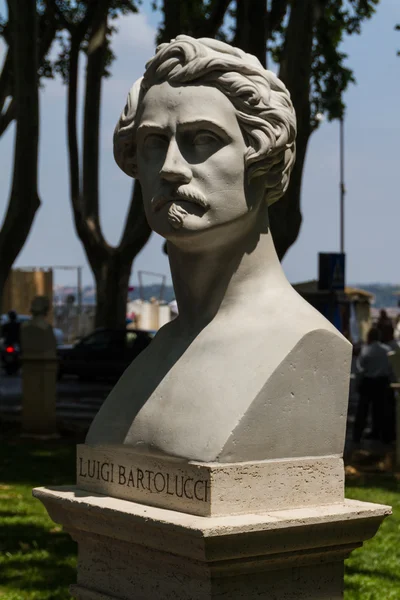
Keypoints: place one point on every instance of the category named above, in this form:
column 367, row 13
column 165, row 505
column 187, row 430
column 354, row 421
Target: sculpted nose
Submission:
column 175, row 168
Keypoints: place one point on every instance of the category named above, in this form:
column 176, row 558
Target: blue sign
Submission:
column 332, row 267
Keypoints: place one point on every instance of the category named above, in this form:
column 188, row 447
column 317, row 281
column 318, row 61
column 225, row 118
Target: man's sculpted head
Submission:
column 205, row 124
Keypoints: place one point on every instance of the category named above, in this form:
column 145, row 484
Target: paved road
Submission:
column 77, row 401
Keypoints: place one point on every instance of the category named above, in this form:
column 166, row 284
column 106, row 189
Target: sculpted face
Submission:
column 190, row 159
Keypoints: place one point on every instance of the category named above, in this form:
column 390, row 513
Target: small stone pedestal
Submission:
column 39, row 373
column 39, row 378
column 130, row 551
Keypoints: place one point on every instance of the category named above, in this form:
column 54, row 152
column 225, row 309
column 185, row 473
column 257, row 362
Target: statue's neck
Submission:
column 225, row 281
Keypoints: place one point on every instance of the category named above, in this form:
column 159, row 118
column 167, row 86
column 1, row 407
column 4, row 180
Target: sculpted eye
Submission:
column 154, row 141
column 205, row 138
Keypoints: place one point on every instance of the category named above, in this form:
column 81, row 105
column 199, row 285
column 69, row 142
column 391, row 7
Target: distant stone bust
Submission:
column 248, row 370
column 40, row 307
column 37, row 335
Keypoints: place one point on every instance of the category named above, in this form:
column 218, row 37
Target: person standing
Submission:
column 374, row 374
column 10, row 331
column 397, row 329
column 385, row 327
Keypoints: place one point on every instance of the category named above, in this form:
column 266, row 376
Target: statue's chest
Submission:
column 205, row 371
column 205, row 387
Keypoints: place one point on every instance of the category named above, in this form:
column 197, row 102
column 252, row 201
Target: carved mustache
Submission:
column 187, row 194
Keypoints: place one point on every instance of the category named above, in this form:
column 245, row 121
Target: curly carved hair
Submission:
column 263, row 107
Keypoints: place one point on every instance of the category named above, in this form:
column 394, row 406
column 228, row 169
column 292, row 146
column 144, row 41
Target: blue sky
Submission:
column 372, row 164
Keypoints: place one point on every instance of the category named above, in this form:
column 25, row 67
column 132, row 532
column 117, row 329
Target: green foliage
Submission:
column 60, row 66
column 372, row 572
column 73, row 15
column 330, row 74
column 65, row 16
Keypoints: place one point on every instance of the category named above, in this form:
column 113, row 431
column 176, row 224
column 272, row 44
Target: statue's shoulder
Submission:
column 307, row 321
column 304, row 396
column 287, row 320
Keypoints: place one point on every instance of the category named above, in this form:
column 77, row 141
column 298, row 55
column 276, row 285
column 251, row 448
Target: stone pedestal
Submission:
column 209, row 489
column 156, row 527
column 131, row 551
column 39, row 378
column 39, row 372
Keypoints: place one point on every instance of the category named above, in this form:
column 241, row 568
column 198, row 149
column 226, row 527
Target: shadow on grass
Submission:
column 37, row 462
column 372, row 573
column 43, row 575
column 36, row 559
column 8, row 513
column 26, row 536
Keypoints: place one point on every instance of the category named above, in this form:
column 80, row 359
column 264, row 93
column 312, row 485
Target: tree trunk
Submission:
column 96, row 52
column 172, row 19
column 251, row 28
column 285, row 215
column 24, row 200
column 46, row 28
column 188, row 16
column 112, row 281
column 216, row 16
column 111, row 266
column 295, row 72
column 5, row 80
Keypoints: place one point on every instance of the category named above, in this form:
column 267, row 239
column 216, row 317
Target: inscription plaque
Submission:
column 209, row 489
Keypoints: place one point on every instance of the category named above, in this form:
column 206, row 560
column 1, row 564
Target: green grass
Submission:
column 38, row 560
column 373, row 571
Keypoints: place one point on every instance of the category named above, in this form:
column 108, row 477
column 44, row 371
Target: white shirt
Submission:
column 373, row 360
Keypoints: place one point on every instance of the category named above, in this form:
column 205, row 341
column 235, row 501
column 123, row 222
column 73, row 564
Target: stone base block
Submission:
column 210, row 489
column 130, row 551
column 39, row 379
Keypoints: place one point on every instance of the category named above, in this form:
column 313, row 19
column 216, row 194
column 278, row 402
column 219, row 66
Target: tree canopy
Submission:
column 301, row 38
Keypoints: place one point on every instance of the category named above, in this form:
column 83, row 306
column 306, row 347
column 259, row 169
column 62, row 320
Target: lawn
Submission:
column 372, row 572
column 38, row 560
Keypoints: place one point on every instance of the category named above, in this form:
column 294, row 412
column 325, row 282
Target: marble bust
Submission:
column 248, row 370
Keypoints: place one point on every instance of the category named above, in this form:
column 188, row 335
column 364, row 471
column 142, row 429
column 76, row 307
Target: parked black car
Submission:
column 105, row 353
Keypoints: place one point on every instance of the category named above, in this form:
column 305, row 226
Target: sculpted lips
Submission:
column 186, row 195
column 177, row 213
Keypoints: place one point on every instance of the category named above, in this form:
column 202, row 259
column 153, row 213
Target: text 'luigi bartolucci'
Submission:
column 157, row 482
